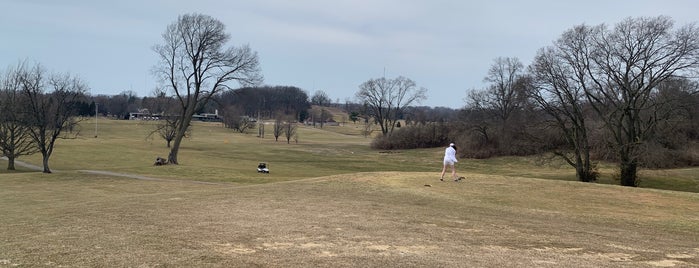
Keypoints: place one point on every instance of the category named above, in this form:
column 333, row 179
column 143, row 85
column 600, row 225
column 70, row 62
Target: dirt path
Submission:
column 140, row 177
column 26, row 165
column 110, row 173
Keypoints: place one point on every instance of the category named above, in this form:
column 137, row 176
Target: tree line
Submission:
column 626, row 93
column 37, row 108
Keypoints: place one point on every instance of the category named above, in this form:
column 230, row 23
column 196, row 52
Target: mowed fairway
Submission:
column 329, row 202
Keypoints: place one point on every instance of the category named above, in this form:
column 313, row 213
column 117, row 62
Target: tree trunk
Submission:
column 182, row 129
column 590, row 175
column 628, row 173
column 580, row 172
column 172, row 156
column 583, row 170
column 10, row 163
column 45, row 160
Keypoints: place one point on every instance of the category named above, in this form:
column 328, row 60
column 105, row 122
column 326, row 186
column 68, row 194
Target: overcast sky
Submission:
column 334, row 46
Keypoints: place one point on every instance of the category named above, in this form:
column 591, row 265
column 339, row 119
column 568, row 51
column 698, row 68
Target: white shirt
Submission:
column 450, row 155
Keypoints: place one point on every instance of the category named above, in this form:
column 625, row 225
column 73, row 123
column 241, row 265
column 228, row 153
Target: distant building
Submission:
column 208, row 117
column 145, row 115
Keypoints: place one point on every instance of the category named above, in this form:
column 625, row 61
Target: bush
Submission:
column 655, row 155
column 414, row 136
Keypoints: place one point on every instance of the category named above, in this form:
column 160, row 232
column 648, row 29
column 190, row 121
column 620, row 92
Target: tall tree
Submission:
column 504, row 96
column 387, row 98
column 290, row 131
column 50, row 113
column 196, row 65
column 320, row 98
column 234, row 118
column 15, row 139
column 278, row 128
column 627, row 64
column 497, row 113
column 559, row 91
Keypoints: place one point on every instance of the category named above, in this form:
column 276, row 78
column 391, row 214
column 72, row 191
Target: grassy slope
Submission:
column 217, row 154
column 353, row 220
column 329, row 201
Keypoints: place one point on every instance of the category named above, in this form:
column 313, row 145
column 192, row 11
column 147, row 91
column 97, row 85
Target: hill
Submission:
column 378, row 219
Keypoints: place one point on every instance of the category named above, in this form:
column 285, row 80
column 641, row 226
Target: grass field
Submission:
column 329, row 201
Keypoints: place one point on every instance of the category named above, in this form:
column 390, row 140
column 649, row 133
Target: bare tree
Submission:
column 368, row 127
column 320, row 98
column 504, row 96
column 387, row 98
column 196, row 66
column 50, row 113
column 559, row 84
column 278, row 128
column 15, row 139
column 166, row 128
column 626, row 65
column 159, row 103
column 290, row 131
column 497, row 113
column 234, row 118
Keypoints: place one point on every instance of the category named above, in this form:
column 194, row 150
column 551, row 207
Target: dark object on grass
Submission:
column 262, row 168
column 159, row 161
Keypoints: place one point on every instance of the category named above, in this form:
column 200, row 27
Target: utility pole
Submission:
column 96, row 119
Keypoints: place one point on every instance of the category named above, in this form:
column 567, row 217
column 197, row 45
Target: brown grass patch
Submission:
column 357, row 220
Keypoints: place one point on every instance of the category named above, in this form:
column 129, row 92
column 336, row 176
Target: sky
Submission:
column 444, row 46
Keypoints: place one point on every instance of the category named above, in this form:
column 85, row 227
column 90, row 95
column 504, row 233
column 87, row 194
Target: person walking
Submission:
column 450, row 160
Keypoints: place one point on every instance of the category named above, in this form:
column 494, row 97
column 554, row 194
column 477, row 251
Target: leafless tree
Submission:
column 166, row 128
column 320, row 98
column 558, row 90
column 320, row 115
column 617, row 72
column 497, row 114
column 234, row 118
column 387, row 98
column 15, row 139
column 504, row 95
column 368, row 127
column 278, row 128
column 626, row 64
column 290, row 131
column 159, row 102
column 196, row 66
column 50, row 113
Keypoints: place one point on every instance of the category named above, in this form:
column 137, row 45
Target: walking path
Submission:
column 26, row 165
column 110, row 173
column 141, row 177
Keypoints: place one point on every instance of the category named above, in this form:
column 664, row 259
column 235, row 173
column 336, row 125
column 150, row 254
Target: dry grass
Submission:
column 329, row 202
column 359, row 220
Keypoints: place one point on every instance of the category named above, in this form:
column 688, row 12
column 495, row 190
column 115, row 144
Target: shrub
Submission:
column 414, row 136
